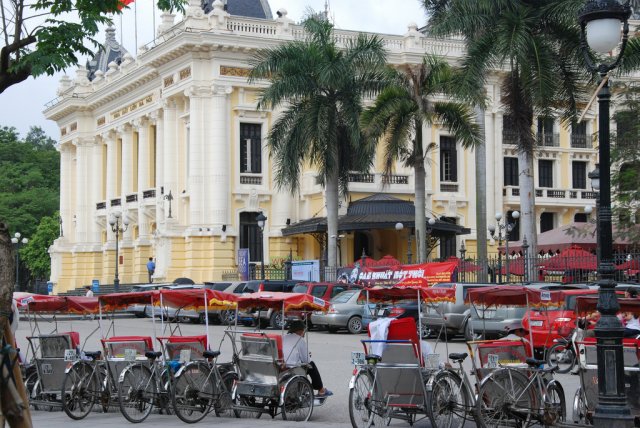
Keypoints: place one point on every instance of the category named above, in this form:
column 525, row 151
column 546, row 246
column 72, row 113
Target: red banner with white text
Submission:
column 418, row 276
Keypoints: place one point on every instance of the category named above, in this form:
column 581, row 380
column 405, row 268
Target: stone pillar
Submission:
column 112, row 165
column 217, row 174
column 156, row 118
column 170, row 155
column 126, row 133
column 200, row 125
column 82, row 184
column 142, row 127
column 66, row 208
column 95, row 190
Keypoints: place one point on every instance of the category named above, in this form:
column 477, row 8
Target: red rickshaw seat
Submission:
column 404, row 329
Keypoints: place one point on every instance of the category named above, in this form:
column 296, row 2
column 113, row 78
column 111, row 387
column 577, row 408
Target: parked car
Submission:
column 166, row 312
column 269, row 317
column 552, row 323
column 345, row 312
column 139, row 310
column 452, row 316
column 490, row 323
column 216, row 316
column 322, row 290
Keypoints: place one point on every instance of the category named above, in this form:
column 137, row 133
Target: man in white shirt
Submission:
column 296, row 353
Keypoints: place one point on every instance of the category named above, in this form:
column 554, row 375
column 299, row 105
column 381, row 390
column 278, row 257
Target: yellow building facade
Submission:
column 173, row 141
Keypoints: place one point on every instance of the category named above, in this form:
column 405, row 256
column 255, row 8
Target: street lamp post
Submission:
column 114, row 221
column 17, row 244
column 501, row 231
column 261, row 219
column 594, row 176
column 601, row 23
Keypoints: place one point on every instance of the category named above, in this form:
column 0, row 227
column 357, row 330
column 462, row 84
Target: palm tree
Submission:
column 401, row 111
column 320, row 87
column 534, row 46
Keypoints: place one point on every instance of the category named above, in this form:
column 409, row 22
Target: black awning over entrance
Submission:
column 379, row 211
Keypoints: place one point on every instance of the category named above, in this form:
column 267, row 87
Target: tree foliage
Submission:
column 35, row 254
column 29, row 179
column 47, row 36
column 320, row 88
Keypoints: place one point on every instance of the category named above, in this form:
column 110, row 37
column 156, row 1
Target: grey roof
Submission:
column 379, row 211
column 110, row 51
column 249, row 8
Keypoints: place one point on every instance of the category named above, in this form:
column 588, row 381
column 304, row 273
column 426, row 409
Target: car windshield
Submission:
column 344, row 296
column 221, row 286
column 301, row 288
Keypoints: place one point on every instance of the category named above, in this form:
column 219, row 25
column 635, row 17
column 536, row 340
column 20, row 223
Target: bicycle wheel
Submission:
column 447, row 400
column 561, row 356
column 361, row 410
column 80, row 389
column 297, row 400
column 192, row 393
column 580, row 409
column 223, row 404
column 136, row 393
column 504, row 400
column 554, row 409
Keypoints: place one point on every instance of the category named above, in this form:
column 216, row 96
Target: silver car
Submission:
column 345, row 312
column 139, row 310
column 166, row 312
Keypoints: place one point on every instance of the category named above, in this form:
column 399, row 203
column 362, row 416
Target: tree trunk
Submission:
column 331, row 195
column 481, row 198
column 528, row 217
column 13, row 397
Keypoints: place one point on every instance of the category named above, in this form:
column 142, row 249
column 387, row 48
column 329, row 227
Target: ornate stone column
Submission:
column 170, row 154
column 66, row 210
column 217, row 174
column 201, row 125
column 141, row 125
column 126, row 133
column 95, row 189
column 84, row 177
column 157, row 118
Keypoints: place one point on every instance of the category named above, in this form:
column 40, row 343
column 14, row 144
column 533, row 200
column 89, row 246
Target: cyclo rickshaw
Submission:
column 52, row 353
column 512, row 388
column 265, row 384
column 586, row 398
column 183, row 377
column 391, row 374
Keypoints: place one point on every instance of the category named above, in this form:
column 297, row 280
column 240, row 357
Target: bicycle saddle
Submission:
column 210, row 354
column 93, row 355
column 532, row 362
column 372, row 357
column 458, row 357
column 152, row 355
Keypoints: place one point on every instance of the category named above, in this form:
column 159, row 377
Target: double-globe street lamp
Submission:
column 501, row 231
column 17, row 244
column 602, row 22
column 261, row 220
column 400, row 226
column 115, row 221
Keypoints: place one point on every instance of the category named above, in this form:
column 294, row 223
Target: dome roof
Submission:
column 249, row 8
column 110, row 51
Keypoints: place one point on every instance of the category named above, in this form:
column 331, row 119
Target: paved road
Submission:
column 331, row 352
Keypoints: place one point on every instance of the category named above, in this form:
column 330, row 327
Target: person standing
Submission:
column 89, row 292
column 151, row 268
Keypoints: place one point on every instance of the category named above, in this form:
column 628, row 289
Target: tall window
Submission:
column 545, row 173
column 251, row 148
column 511, row 171
column 579, row 135
column 545, row 131
column 514, row 235
column 448, row 242
column 448, row 159
column 250, row 235
column 625, row 127
column 509, row 136
column 579, row 174
column 546, row 222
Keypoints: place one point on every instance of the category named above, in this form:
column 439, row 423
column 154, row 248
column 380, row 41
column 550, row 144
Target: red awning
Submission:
column 276, row 300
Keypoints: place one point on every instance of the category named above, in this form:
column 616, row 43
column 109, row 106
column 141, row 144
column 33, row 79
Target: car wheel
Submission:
column 201, row 319
column 470, row 335
column 276, row 320
column 332, row 329
column 426, row 332
column 139, row 314
column 354, row 325
column 263, row 324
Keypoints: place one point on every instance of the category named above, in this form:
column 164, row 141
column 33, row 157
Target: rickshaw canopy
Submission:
column 22, row 298
column 195, row 299
column 64, row 304
column 117, row 301
column 285, row 301
column 400, row 292
column 510, row 295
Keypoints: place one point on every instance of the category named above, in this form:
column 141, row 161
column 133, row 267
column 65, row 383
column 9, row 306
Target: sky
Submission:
column 21, row 105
